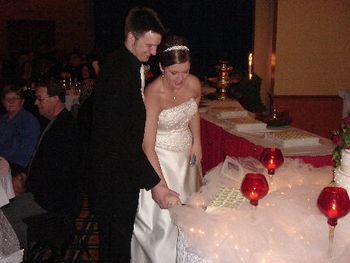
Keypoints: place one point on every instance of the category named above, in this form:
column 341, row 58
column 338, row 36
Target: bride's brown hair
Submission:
column 173, row 50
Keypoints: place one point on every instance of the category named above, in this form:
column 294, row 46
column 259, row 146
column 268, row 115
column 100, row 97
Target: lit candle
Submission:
column 250, row 65
column 253, row 195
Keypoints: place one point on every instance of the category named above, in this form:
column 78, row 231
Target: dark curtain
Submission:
column 215, row 29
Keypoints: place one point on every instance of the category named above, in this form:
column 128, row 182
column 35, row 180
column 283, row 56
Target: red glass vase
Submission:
column 334, row 202
column 271, row 158
column 254, row 187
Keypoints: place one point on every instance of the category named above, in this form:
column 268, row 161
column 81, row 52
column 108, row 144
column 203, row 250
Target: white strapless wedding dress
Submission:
column 154, row 238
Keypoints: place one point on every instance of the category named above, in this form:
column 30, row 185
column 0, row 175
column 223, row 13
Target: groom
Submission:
column 117, row 166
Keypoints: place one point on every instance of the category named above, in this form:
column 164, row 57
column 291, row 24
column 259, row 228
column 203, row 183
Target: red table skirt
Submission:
column 218, row 143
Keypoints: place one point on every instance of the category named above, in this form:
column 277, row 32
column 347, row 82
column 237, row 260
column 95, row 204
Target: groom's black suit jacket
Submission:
column 117, row 165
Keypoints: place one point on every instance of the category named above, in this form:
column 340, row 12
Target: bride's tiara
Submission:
column 176, row 48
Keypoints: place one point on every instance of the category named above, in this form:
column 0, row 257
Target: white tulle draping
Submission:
column 286, row 227
column 9, row 245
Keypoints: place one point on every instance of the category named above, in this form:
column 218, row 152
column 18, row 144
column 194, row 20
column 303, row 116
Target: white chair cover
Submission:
column 6, row 188
column 9, row 245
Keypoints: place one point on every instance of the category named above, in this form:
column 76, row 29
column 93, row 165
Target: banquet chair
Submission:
column 48, row 237
column 72, row 246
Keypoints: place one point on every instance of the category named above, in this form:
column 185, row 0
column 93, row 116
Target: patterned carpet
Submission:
column 81, row 246
column 84, row 247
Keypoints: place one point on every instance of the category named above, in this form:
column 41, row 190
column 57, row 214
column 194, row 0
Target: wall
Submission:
column 263, row 45
column 74, row 20
column 308, row 112
column 302, row 52
column 312, row 47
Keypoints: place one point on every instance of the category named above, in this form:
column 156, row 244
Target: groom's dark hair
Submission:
column 142, row 19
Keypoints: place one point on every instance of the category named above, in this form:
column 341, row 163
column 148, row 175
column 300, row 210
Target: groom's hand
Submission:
column 163, row 196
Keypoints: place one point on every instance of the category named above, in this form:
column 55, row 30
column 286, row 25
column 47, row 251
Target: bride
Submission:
column 172, row 145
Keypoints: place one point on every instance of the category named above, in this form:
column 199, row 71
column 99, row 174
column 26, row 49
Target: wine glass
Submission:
column 333, row 202
column 271, row 158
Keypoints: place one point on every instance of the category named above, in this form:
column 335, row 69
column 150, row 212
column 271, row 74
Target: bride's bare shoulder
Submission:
column 153, row 90
column 154, row 86
column 193, row 79
column 194, row 83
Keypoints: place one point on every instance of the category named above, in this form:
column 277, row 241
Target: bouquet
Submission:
column 342, row 141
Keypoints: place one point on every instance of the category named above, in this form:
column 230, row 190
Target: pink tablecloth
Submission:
column 218, row 143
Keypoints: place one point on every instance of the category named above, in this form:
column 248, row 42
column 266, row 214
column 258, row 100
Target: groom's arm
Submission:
column 163, row 196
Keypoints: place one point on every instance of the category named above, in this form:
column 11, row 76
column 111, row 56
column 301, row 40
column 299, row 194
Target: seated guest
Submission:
column 87, row 79
column 29, row 105
column 42, row 68
column 50, row 199
column 73, row 65
column 19, row 129
column 95, row 58
column 26, row 77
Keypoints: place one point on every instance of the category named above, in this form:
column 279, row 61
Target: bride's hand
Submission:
column 196, row 154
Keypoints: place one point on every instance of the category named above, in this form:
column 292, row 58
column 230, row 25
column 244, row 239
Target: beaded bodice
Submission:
column 173, row 126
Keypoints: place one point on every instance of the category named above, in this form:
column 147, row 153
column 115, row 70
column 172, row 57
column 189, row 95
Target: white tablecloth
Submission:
column 10, row 251
column 286, row 227
column 71, row 99
column 16, row 257
column 9, row 246
column 325, row 146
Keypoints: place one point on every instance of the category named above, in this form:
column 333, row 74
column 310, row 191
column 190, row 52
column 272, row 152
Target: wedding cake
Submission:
column 246, row 124
column 228, row 197
column 342, row 173
column 292, row 138
column 228, row 112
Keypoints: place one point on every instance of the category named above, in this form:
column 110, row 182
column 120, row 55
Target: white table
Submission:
column 9, row 246
column 286, row 227
column 71, row 99
column 325, row 146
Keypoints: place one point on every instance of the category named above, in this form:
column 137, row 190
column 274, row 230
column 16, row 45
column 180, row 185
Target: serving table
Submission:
column 9, row 246
column 220, row 140
column 286, row 226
